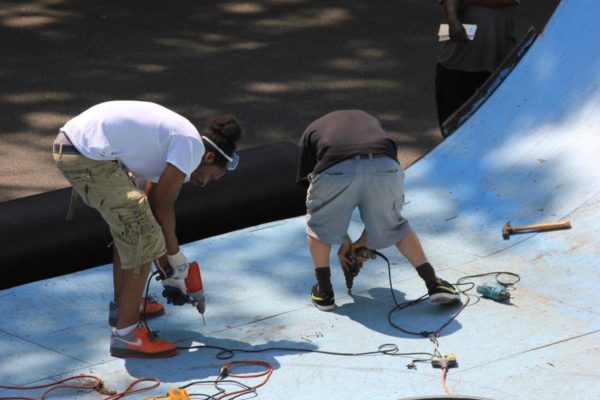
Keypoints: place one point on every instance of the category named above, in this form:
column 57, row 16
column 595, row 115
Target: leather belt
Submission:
column 368, row 155
column 64, row 149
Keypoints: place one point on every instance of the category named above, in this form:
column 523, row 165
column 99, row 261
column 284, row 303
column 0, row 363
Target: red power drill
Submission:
column 195, row 290
column 181, row 291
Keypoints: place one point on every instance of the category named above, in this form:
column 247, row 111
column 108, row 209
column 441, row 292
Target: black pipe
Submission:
column 36, row 241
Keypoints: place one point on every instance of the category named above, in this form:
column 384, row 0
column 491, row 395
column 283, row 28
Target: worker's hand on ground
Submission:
column 179, row 265
column 175, row 291
column 343, row 253
column 457, row 31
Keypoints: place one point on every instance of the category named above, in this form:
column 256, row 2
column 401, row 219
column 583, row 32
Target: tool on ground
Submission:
column 173, row 394
column 508, row 230
column 184, row 291
column 494, row 292
column 447, row 361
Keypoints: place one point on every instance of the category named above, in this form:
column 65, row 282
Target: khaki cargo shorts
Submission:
column 110, row 188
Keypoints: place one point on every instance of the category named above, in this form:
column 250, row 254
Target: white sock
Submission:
column 125, row 331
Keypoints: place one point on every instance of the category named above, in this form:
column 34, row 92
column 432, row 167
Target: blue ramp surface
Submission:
column 528, row 155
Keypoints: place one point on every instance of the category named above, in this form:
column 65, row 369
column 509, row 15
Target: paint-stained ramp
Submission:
column 529, row 154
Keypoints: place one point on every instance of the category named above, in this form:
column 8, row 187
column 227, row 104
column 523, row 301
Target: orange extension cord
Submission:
column 446, row 389
column 95, row 384
column 266, row 373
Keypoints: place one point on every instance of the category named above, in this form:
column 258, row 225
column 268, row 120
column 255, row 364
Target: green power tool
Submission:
column 494, row 292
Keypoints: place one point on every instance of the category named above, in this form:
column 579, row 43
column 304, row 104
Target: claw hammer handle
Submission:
column 548, row 226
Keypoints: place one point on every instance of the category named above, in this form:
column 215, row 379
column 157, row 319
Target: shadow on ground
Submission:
column 371, row 310
column 276, row 64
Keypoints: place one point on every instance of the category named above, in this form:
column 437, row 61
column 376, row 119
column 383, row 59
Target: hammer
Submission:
column 508, row 230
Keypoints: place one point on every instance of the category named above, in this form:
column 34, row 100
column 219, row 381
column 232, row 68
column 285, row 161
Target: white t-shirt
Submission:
column 143, row 136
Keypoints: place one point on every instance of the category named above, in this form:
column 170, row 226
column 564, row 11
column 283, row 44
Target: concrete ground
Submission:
column 276, row 64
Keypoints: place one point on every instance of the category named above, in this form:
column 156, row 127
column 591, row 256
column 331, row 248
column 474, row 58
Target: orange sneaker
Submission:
column 153, row 309
column 140, row 343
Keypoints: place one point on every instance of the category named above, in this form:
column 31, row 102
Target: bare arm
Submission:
column 162, row 201
column 456, row 30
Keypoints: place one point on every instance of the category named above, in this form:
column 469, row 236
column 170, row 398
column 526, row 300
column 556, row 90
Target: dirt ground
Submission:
column 276, row 64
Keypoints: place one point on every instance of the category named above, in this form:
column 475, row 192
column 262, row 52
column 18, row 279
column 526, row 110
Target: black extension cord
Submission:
column 386, row 349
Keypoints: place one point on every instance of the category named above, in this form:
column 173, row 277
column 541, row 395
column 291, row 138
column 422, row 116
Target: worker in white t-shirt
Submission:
column 104, row 152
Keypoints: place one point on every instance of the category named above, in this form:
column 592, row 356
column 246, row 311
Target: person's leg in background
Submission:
column 470, row 82
column 449, row 94
column 453, row 88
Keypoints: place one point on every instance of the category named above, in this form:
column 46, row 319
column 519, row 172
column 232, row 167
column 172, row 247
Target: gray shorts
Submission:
column 374, row 185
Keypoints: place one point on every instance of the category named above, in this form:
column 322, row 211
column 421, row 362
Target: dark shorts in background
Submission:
column 454, row 88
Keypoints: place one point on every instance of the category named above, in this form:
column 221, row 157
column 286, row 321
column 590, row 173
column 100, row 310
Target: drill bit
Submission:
column 352, row 272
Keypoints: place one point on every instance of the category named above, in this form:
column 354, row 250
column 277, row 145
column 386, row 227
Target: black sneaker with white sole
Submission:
column 441, row 292
column 324, row 301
